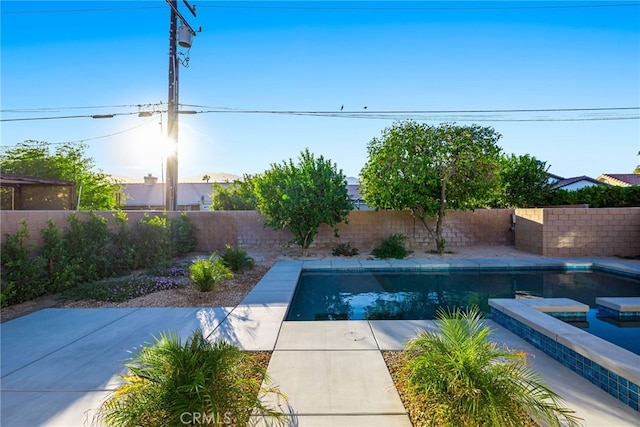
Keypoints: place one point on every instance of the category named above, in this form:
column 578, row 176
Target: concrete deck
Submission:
column 58, row 365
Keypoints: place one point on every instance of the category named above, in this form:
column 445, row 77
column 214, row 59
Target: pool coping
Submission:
column 606, row 265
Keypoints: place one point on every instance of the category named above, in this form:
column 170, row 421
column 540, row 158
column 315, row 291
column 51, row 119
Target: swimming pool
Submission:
column 415, row 295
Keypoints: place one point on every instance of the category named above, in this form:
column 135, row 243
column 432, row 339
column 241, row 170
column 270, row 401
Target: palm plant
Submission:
column 236, row 259
column 170, row 384
column 471, row 381
column 207, row 273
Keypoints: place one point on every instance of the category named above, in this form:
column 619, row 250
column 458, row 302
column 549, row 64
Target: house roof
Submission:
column 568, row 181
column 555, row 178
column 189, row 193
column 622, row 179
column 13, row 180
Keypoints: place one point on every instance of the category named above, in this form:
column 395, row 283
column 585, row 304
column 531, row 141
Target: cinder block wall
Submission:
column 568, row 232
column 365, row 229
column 529, row 230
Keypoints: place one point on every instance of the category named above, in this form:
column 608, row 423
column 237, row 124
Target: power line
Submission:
column 102, row 9
column 454, row 115
column 372, row 115
column 92, row 116
column 509, row 110
column 334, row 8
column 91, row 107
column 104, row 136
column 429, row 8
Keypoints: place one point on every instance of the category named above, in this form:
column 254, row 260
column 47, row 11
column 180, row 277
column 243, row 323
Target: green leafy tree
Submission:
column 235, row 196
column 524, row 182
column 300, row 197
column 95, row 189
column 471, row 381
column 428, row 169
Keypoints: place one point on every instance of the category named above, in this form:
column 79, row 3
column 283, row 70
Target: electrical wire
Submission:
column 93, row 116
column 110, row 9
column 41, row 109
column 410, row 8
column 104, row 136
column 590, row 114
column 334, row 8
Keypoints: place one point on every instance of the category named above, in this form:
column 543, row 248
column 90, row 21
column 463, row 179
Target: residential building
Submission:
column 620, row 179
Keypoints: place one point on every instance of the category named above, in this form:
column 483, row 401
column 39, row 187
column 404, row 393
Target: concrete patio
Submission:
column 58, row 365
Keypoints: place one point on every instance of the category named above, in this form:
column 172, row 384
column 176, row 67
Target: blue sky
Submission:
column 317, row 57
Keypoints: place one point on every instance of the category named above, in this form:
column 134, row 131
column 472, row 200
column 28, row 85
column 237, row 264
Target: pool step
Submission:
column 619, row 308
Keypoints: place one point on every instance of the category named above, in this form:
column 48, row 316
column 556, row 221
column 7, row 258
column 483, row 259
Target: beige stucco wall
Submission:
column 567, row 232
column 365, row 229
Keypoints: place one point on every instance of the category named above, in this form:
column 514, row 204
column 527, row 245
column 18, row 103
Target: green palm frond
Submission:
column 475, row 381
column 166, row 379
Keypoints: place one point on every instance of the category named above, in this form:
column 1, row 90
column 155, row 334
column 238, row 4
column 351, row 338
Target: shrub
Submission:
column 597, row 196
column 124, row 257
column 151, row 242
column 22, row 277
column 86, row 245
column 207, row 273
column 236, row 259
column 469, row 381
column 392, row 247
column 166, row 380
column 63, row 267
column 182, row 235
column 345, row 249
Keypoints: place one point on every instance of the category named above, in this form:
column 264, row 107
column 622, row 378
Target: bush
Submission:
column 597, row 196
column 392, row 247
column 22, row 277
column 166, row 380
column 345, row 249
column 207, row 273
column 466, row 380
column 63, row 267
column 151, row 242
column 86, row 243
column 89, row 251
column 237, row 259
column 182, row 235
column 124, row 253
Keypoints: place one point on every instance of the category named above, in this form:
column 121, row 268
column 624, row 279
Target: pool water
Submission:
column 624, row 334
column 413, row 295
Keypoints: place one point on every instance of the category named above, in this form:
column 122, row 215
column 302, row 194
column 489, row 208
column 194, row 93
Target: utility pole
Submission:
column 171, row 202
column 171, row 196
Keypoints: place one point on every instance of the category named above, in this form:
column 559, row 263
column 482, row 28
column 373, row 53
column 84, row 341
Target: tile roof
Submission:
column 568, row 181
column 623, row 178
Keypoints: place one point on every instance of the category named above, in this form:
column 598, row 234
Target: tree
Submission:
column 235, row 196
column 472, row 381
column 95, row 190
column 300, row 197
column 524, row 182
column 428, row 169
